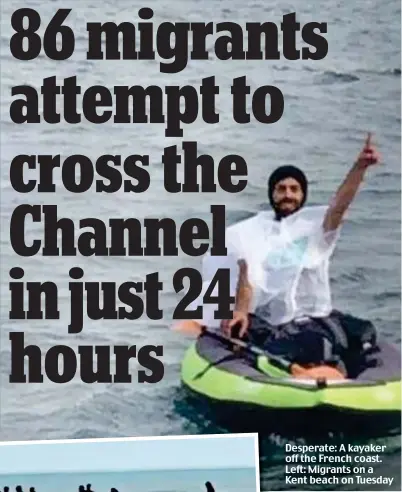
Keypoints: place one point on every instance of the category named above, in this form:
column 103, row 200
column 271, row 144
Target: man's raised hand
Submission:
column 369, row 154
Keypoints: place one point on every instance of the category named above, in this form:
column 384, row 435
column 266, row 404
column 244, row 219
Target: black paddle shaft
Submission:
column 247, row 347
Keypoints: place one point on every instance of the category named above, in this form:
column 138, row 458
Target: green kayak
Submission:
column 213, row 371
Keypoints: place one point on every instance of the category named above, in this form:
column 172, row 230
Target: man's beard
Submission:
column 281, row 213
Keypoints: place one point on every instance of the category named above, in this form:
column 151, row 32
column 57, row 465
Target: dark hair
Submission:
column 284, row 172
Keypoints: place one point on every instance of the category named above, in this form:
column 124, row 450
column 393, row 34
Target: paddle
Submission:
column 195, row 329
column 248, row 347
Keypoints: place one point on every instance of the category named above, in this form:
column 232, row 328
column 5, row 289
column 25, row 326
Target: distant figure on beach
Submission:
column 6, row 489
column 88, row 489
column 18, row 488
column 209, row 487
column 113, row 490
column 81, row 488
column 31, row 489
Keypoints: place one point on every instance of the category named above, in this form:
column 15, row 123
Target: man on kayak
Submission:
column 283, row 296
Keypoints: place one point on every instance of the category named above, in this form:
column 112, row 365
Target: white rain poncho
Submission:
column 288, row 265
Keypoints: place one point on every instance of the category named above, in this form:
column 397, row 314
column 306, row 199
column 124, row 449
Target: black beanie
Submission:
column 284, row 172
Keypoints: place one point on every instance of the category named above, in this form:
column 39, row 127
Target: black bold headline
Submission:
column 171, row 106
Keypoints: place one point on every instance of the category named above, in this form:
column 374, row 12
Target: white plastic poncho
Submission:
column 288, row 265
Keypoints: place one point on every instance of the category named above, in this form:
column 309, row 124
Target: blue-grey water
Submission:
column 329, row 105
column 223, row 480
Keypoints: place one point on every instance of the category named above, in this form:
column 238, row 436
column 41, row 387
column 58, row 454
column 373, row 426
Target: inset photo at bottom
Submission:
column 203, row 463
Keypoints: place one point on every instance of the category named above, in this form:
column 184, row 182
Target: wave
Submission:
column 330, row 77
column 358, row 275
column 384, row 296
column 389, row 71
column 349, row 75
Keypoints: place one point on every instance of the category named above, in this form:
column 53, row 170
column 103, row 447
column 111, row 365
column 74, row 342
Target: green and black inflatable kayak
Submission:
column 225, row 379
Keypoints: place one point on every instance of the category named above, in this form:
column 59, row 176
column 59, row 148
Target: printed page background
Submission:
column 329, row 105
